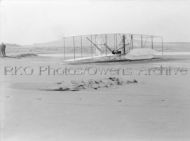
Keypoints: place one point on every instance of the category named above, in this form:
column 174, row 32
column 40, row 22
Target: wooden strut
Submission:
column 74, row 46
column 131, row 41
column 81, row 46
column 64, row 46
column 91, row 47
column 106, row 40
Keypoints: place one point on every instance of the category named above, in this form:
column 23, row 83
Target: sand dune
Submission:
column 133, row 107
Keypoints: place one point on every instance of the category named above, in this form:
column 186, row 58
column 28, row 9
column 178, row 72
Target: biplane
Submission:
column 129, row 47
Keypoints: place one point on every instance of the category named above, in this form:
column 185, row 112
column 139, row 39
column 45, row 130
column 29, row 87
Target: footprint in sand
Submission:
column 39, row 98
column 8, row 97
column 119, row 100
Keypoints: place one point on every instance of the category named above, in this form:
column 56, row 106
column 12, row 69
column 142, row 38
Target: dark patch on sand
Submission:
column 26, row 55
column 19, row 56
column 91, row 84
column 72, row 85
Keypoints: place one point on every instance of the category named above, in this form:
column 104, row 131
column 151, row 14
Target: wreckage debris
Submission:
column 92, row 84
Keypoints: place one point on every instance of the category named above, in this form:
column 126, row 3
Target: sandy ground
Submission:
column 157, row 108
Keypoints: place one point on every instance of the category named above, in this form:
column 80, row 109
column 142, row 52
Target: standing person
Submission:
column 3, row 47
column 123, row 42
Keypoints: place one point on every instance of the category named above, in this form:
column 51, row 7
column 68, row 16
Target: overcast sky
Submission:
column 32, row 21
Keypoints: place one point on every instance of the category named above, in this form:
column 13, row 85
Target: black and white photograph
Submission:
column 94, row 70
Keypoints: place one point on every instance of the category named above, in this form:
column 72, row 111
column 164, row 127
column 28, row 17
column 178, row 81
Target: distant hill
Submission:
column 56, row 43
column 168, row 46
column 176, row 46
column 13, row 45
column 57, row 46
